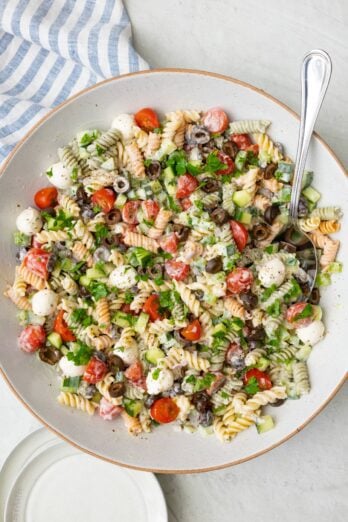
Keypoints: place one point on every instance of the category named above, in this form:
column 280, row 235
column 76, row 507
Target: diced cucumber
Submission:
column 156, row 186
column 70, row 384
column 132, row 194
column 284, row 195
column 22, row 317
column 303, row 352
column 285, row 171
column 121, row 319
column 141, row 323
column 109, row 164
column 84, row 280
column 55, row 339
column 219, row 329
column 169, row 180
column 245, row 218
column 262, row 364
column 141, row 194
column 166, row 148
column 335, row 267
column 51, row 223
column 132, row 407
column 240, row 159
column 120, row 200
column 21, row 239
column 265, row 423
column 95, row 273
column 242, row 198
column 307, row 178
column 64, row 349
column 154, row 355
column 311, row 194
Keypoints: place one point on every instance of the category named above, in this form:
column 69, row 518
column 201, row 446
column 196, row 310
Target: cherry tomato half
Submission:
column 241, row 140
column 193, row 331
column 186, row 185
column 215, row 120
column 135, row 374
column 150, row 209
column 151, row 307
column 262, row 378
column 32, row 338
column 95, row 371
column 130, row 212
column 177, row 269
column 147, row 119
column 46, row 197
column 36, row 261
column 164, row 410
column 104, row 198
column 227, row 161
column 240, row 234
column 294, row 311
column 239, row 280
column 61, row 327
column 169, row 243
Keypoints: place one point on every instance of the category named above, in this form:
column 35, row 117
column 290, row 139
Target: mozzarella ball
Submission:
column 69, row 369
column 128, row 355
column 312, row 333
column 123, row 277
column 29, row 221
column 272, row 273
column 159, row 380
column 124, row 123
column 44, row 302
column 61, row 177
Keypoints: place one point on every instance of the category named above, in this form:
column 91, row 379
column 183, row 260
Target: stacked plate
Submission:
column 46, row 479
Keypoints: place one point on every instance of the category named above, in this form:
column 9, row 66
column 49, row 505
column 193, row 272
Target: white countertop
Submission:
column 304, row 480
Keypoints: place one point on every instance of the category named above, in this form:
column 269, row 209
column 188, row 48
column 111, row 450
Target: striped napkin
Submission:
column 50, row 49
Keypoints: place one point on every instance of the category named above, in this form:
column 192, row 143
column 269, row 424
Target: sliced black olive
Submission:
column 271, row 213
column 150, row 400
column 201, row 402
column 22, row 252
column 214, row 265
column 206, row 419
column 268, row 172
column 112, row 217
column 121, row 184
column 115, row 363
column 101, row 254
column 154, row 170
column 295, row 237
column 111, row 241
column 87, row 213
column 49, row 355
column 174, row 390
column 287, row 247
column 81, row 195
column 199, row 135
column 210, row 185
column 261, row 232
column 220, row 216
column 235, row 357
column 277, row 403
column 100, row 355
column 252, row 345
column 116, row 389
column 249, row 300
column 230, row 148
column 182, row 232
column 256, row 333
column 314, row 298
column 155, row 270
column 302, row 207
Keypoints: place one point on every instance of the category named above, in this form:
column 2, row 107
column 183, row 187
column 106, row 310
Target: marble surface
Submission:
column 262, row 43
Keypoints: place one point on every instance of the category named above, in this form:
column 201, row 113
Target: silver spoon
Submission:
column 315, row 77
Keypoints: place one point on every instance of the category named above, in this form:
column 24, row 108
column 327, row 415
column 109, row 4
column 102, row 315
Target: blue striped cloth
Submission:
column 50, row 49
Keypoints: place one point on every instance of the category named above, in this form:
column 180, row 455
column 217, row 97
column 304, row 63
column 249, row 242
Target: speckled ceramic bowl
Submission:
column 36, row 384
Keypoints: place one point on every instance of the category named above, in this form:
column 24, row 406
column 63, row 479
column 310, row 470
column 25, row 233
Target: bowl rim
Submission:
column 12, row 155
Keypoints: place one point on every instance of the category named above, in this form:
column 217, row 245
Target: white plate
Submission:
column 46, row 479
column 36, row 384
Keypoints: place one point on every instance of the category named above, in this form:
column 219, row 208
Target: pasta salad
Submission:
column 153, row 275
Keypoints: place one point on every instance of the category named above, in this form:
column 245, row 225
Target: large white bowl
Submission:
column 35, row 384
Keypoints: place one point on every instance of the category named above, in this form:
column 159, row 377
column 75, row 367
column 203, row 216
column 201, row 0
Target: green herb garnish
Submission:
column 80, row 355
column 98, row 290
column 213, row 163
column 80, row 317
column 306, row 312
column 252, row 386
column 21, row 239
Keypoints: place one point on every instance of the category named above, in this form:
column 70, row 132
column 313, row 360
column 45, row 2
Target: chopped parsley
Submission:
column 275, row 309
column 128, row 297
column 177, row 160
column 168, row 299
column 80, row 316
column 306, row 312
column 155, row 374
column 204, row 382
column 294, row 293
column 213, row 163
column 101, row 231
column 139, row 256
column 99, row 149
column 88, row 138
column 60, row 221
column 74, row 174
column 98, row 290
column 80, row 355
column 268, row 292
column 172, row 205
column 252, row 386
column 49, row 173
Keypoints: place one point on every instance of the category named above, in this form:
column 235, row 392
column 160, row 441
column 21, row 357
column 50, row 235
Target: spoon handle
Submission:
column 315, row 77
